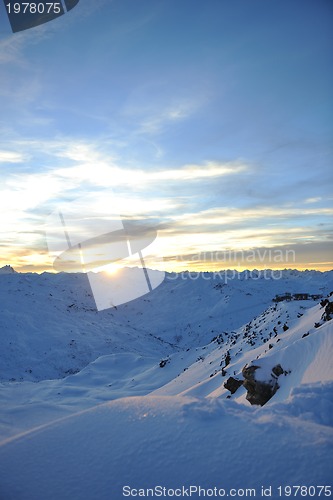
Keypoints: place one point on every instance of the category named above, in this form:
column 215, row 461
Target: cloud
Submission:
column 313, row 200
column 159, row 104
column 288, row 256
column 244, row 215
column 11, row 157
column 28, row 195
column 221, row 230
column 91, row 174
column 156, row 122
column 171, row 198
column 13, row 46
column 102, row 170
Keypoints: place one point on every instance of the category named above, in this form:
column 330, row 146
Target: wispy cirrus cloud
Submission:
column 154, row 107
column 14, row 46
column 11, row 157
column 155, row 122
column 222, row 216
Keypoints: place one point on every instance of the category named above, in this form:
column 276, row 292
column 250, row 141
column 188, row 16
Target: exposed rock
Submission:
column 164, row 362
column 227, row 359
column 232, row 384
column 248, row 371
column 278, row 370
column 328, row 313
column 258, row 392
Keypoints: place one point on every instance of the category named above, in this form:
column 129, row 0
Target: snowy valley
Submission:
column 157, row 392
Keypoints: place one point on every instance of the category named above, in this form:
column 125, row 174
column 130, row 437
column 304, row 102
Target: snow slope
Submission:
column 50, row 327
column 80, row 435
column 170, row 442
column 306, row 357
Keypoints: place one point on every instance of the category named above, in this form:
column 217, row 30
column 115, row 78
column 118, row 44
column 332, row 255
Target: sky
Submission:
column 211, row 121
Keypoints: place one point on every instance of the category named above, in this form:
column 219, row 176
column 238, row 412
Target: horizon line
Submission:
column 184, row 271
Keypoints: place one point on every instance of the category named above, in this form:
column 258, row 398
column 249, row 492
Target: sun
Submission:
column 113, row 268
column 110, row 269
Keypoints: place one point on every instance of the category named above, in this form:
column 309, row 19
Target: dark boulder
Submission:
column 259, row 392
column 232, row 384
column 277, row 370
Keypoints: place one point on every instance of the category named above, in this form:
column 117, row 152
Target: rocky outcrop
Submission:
column 164, row 362
column 232, row 384
column 328, row 313
column 259, row 392
column 227, row 359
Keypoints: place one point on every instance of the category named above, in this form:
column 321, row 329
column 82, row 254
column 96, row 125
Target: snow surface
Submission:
column 91, row 402
column 169, row 441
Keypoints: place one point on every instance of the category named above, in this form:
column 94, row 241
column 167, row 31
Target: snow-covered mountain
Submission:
column 158, row 392
column 51, row 328
column 7, row 270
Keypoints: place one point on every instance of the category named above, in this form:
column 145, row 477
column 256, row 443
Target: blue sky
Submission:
column 212, row 119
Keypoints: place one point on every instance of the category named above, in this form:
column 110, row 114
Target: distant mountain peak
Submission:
column 7, row 270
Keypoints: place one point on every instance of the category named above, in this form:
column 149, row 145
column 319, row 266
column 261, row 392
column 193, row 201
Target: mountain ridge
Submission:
column 179, row 314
